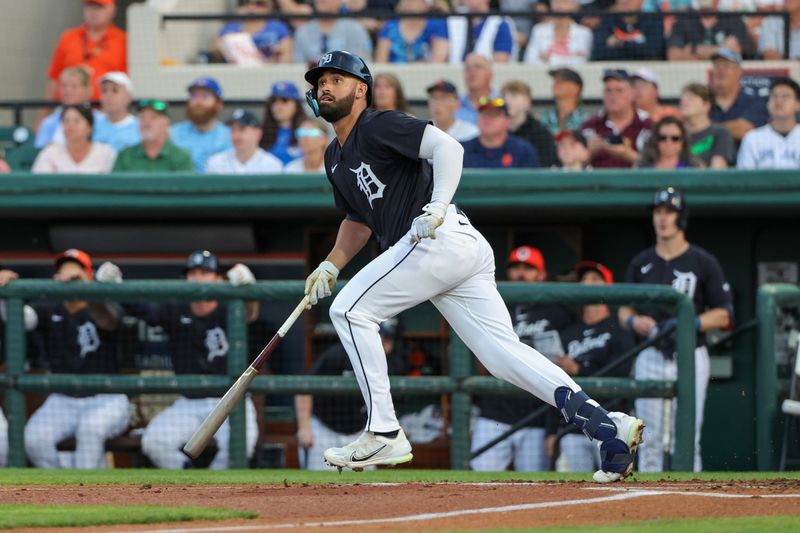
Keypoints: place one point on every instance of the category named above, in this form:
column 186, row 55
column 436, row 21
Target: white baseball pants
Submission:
column 524, row 449
column 91, row 420
column 168, row 432
column 3, row 439
column 651, row 364
column 455, row 272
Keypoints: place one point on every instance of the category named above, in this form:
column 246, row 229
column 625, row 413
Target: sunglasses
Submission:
column 156, row 105
column 494, row 102
column 307, row 132
column 673, row 138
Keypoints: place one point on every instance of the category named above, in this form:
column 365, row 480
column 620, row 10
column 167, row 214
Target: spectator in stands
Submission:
column 388, row 94
column 319, row 36
column 770, row 43
column 198, row 344
column 573, row 150
column 442, row 105
column 493, row 36
column 628, row 37
column 79, row 154
column 156, row 153
column 617, row 134
column 646, row 98
column 699, row 38
column 524, row 125
column 412, row 39
column 80, row 338
column 74, row 89
column 712, row 143
column 567, row 113
column 478, row 79
column 536, row 326
column 592, row 342
column 246, row 157
column 283, row 114
column 494, row 147
column 777, row 144
column 733, row 107
column 324, row 421
column 202, row 135
column 97, row 45
column 313, row 138
column 668, row 147
column 272, row 38
column 116, row 127
column 559, row 41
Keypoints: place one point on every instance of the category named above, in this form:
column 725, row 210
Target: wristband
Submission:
column 629, row 322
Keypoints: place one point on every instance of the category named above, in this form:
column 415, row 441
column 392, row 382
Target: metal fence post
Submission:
column 686, row 341
column 15, row 366
column 237, row 361
column 460, row 405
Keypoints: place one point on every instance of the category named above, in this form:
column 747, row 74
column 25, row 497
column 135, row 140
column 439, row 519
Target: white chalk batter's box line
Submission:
column 622, row 494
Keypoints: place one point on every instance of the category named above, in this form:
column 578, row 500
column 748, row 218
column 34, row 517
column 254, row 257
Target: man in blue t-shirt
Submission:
column 734, row 107
column 202, row 135
column 494, row 147
column 116, row 127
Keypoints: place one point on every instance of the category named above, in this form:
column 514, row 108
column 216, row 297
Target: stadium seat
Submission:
column 14, row 136
column 22, row 157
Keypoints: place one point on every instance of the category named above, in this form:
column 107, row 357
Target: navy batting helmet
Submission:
column 673, row 199
column 342, row 61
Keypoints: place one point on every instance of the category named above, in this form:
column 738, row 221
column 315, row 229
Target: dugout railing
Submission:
column 461, row 384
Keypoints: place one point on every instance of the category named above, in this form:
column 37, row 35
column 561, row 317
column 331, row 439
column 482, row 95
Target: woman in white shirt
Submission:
column 78, row 154
column 560, row 41
column 312, row 135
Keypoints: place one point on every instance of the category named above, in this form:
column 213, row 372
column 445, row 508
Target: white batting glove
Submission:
column 321, row 282
column 240, row 275
column 424, row 226
column 108, row 273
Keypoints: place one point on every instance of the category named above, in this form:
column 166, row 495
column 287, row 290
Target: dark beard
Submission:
column 337, row 110
column 201, row 115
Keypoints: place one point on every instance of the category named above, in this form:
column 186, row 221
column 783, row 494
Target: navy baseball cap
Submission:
column 567, row 74
column 208, row 83
column 202, row 259
column 244, row 118
column 285, row 89
column 443, row 86
column 616, row 74
column 728, row 55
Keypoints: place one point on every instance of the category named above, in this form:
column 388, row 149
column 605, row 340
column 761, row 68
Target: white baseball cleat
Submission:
column 370, row 449
column 618, row 458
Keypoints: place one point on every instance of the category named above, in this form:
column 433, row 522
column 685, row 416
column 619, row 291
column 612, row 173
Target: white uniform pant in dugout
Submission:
column 455, row 272
column 3, row 439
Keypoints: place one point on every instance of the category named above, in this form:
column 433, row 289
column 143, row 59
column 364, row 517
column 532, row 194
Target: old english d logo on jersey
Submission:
column 685, row 282
column 88, row 339
column 368, row 182
column 217, row 343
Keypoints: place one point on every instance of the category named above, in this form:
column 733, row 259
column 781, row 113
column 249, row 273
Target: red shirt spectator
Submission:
column 96, row 45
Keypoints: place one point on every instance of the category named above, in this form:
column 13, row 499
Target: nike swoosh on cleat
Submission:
column 463, row 223
column 355, row 459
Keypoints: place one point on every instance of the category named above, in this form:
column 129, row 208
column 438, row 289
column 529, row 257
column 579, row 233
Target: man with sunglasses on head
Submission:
column 246, row 156
column 378, row 168
column 495, row 147
column 156, row 152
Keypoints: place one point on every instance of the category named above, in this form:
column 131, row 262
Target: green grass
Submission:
column 12, row 515
column 120, row 476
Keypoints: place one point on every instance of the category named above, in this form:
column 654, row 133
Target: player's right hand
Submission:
column 424, row 226
column 321, row 282
column 108, row 273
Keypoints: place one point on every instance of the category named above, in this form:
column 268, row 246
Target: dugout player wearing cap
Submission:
column 79, row 337
column 695, row 272
column 589, row 344
column 537, row 326
column 198, row 344
column 378, row 167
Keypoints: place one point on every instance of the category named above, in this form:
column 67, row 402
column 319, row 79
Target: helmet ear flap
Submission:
column 311, row 100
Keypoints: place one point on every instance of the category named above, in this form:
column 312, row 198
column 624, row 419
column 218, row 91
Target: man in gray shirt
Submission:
column 320, row 36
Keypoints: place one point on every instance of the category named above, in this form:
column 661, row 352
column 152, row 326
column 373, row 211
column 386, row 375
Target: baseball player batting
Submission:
column 378, row 166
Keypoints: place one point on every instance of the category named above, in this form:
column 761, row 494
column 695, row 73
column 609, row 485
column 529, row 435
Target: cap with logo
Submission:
column 527, row 255
column 118, row 78
column 443, row 86
column 202, row 259
column 243, row 117
column 285, row 89
column 728, row 55
column 586, row 266
column 207, row 83
column 566, row 74
column 76, row 256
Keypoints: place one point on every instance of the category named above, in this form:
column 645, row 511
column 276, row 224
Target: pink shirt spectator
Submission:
column 55, row 159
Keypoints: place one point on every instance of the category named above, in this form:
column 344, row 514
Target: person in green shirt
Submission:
column 156, row 153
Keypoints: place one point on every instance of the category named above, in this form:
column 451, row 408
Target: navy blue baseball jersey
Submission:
column 695, row 273
column 377, row 176
column 594, row 346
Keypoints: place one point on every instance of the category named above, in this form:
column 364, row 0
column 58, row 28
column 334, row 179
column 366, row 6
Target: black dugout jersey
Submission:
column 377, row 176
column 695, row 273
column 528, row 322
column 74, row 344
column 593, row 347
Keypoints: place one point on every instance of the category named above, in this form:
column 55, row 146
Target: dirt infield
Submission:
column 436, row 506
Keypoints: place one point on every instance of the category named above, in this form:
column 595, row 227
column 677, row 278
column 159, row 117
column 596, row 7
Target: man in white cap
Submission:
column 646, row 98
column 117, row 127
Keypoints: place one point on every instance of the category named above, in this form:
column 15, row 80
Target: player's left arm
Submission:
column 240, row 275
column 718, row 299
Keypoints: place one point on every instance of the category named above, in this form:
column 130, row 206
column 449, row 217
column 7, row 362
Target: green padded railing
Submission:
column 459, row 383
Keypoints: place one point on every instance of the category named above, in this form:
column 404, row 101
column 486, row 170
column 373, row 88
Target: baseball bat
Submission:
column 205, row 432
